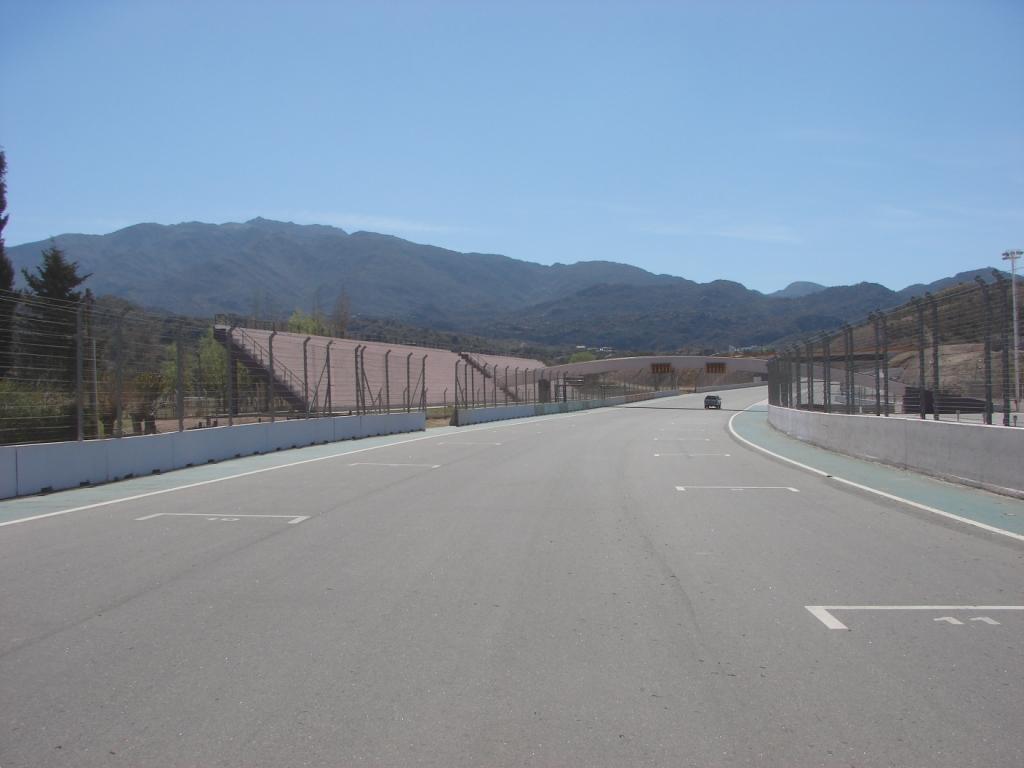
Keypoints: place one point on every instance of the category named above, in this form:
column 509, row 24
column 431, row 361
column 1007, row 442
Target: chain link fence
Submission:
column 947, row 356
column 98, row 369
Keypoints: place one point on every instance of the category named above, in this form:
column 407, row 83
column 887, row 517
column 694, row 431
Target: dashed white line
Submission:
column 292, row 519
column 736, row 488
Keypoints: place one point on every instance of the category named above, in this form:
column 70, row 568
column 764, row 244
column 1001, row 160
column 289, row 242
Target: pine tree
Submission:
column 56, row 278
column 46, row 334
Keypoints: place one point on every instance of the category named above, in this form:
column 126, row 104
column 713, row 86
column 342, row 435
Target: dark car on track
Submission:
column 713, row 401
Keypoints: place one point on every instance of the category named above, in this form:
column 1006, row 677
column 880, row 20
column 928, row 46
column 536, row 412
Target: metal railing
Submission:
column 947, row 356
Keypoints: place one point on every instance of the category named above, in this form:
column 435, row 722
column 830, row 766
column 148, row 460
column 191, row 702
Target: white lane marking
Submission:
column 867, row 488
column 186, row 486
column 985, row 619
column 824, row 615
column 949, row 620
column 736, row 488
column 384, row 464
column 292, row 519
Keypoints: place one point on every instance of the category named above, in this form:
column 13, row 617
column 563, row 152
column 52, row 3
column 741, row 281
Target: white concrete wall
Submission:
column 467, row 416
column 990, row 457
column 26, row 469
column 723, row 387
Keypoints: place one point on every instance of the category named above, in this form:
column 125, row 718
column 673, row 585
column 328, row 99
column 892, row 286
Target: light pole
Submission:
column 1012, row 256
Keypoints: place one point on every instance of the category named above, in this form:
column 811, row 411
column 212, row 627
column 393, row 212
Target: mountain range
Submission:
column 269, row 268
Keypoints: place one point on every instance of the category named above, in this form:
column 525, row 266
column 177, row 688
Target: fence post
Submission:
column 919, row 308
column 884, row 326
column 810, row 375
column 79, row 378
column 988, row 348
column 1004, row 333
column 119, row 378
column 271, row 393
column 232, row 405
column 423, row 386
column 506, row 385
column 328, row 402
column 408, row 383
column 800, row 375
column 364, row 380
column 455, row 389
column 878, row 384
column 826, row 352
column 96, row 392
column 179, row 375
column 305, row 374
column 787, row 371
column 465, row 384
column 359, row 381
column 472, row 385
column 933, row 305
column 387, row 381
column 848, row 338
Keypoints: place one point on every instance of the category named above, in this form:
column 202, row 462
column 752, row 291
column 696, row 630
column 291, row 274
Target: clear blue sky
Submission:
column 760, row 142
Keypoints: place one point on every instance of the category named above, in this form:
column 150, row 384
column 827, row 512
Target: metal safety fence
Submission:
column 946, row 356
column 79, row 370
column 477, row 384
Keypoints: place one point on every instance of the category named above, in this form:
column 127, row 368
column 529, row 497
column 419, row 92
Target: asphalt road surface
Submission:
column 627, row 586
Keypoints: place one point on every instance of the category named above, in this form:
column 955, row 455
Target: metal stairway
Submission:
column 255, row 358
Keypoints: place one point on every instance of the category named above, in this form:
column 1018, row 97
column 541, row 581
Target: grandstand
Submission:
column 321, row 374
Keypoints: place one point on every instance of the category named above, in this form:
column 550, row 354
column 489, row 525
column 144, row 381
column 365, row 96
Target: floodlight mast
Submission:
column 1012, row 256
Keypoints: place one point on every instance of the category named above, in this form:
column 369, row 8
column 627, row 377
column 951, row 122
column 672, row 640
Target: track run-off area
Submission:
column 638, row 585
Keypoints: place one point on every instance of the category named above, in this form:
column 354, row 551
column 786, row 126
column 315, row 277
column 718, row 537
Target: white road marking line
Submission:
column 949, row 620
column 867, row 488
column 824, row 615
column 292, row 519
column 985, row 619
column 736, row 488
column 383, row 464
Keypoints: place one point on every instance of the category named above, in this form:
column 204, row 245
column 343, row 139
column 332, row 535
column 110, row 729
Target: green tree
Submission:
column 8, row 299
column 582, row 356
column 56, row 278
column 46, row 326
column 312, row 325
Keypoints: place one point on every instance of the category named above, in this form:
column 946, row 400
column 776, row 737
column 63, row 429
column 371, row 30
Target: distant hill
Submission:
column 269, row 268
column 797, row 289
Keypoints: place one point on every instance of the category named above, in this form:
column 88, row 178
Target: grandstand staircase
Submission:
column 255, row 358
column 485, row 372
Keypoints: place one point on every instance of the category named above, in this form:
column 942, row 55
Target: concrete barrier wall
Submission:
column 26, row 469
column 466, row 416
column 723, row 387
column 989, row 457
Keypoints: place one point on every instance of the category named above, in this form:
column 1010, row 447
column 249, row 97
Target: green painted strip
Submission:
column 984, row 507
